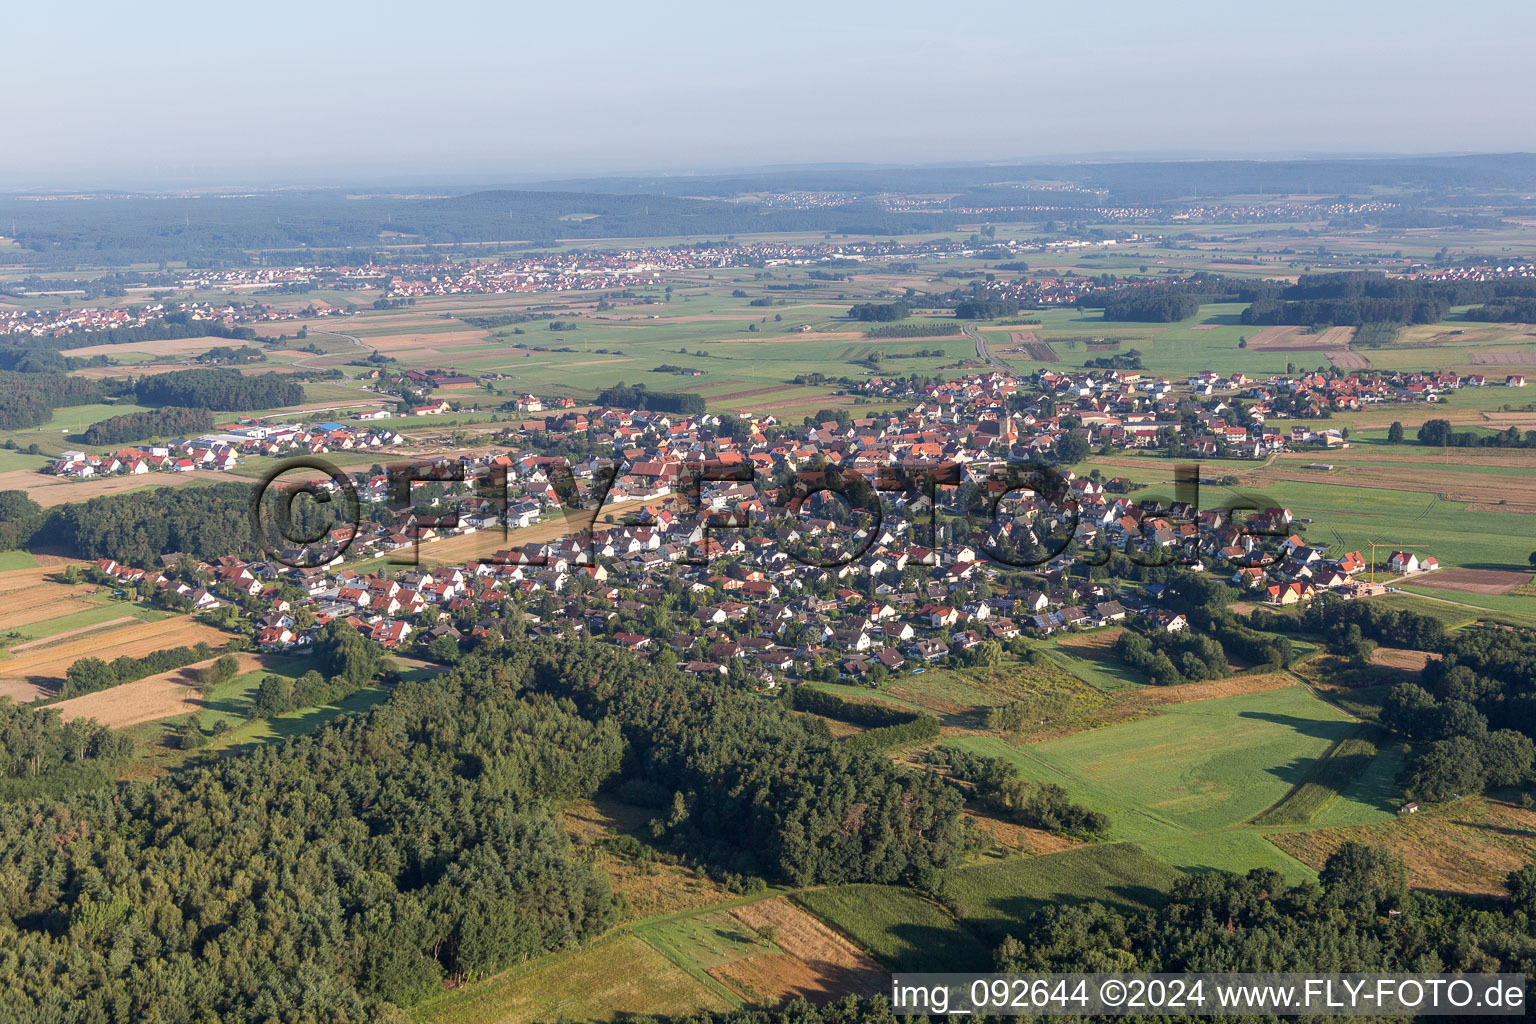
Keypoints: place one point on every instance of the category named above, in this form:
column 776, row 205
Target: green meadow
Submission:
column 1184, row 782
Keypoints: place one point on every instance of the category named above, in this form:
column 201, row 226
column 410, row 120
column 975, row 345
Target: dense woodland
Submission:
column 1157, row 308
column 1362, row 297
column 28, row 399
column 36, row 740
column 137, row 528
column 879, row 312
column 168, row 421
column 639, row 396
column 227, row 390
column 369, row 862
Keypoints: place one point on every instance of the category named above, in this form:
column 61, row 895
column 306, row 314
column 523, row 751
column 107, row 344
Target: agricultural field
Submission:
column 1465, row 846
column 901, row 928
column 764, row 951
column 992, row 898
column 1471, row 509
column 1179, row 780
column 39, row 670
column 50, row 623
column 997, row 895
column 623, row 974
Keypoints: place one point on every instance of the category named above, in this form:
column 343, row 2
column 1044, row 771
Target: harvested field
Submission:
column 1034, row 841
column 1232, row 686
column 1475, row 581
column 1347, row 360
column 1032, row 348
column 803, row 337
column 165, row 347
column 483, row 544
column 649, row 889
column 1090, row 644
column 408, row 341
column 1517, row 492
column 49, row 491
column 816, row 962
column 21, row 691
column 1512, row 357
column 1406, row 661
column 1299, row 339
column 68, row 635
column 1467, row 846
column 45, row 668
column 773, row 389
column 154, row 697
column 26, row 579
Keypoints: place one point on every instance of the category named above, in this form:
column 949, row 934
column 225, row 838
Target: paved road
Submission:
column 981, row 348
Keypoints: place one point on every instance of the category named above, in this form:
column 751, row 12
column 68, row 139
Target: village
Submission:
column 747, row 572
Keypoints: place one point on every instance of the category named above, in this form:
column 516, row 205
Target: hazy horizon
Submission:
column 197, row 96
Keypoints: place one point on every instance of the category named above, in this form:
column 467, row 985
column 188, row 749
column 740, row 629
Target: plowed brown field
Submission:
column 815, row 962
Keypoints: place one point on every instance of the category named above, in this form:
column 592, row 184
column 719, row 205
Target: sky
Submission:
column 181, row 94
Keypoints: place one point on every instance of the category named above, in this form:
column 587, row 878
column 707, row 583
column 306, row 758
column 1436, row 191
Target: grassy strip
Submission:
column 653, row 936
column 1326, row 778
column 898, row 927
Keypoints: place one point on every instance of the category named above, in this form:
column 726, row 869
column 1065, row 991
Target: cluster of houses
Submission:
column 223, row 450
column 742, row 578
column 1126, row 408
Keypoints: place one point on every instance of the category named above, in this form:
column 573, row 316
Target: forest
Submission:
column 639, row 397
column 168, row 421
column 36, row 740
column 1364, row 297
column 1159, row 308
column 28, row 399
column 225, row 390
column 879, row 312
column 366, row 864
column 137, row 528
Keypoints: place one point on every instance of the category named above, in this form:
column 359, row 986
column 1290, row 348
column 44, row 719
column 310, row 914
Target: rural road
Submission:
column 981, row 348
column 354, row 339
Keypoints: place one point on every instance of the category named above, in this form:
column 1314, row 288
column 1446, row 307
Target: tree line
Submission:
column 87, row 675
column 638, row 396
column 169, row 421
column 997, row 785
column 1362, row 297
column 879, row 312
column 204, row 523
column 36, row 740
column 28, row 399
column 228, row 390
column 1439, row 433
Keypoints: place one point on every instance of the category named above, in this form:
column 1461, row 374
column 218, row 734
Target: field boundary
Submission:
column 1326, row 778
